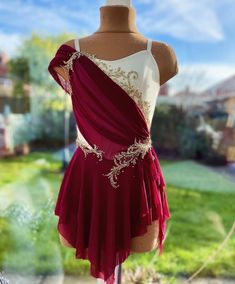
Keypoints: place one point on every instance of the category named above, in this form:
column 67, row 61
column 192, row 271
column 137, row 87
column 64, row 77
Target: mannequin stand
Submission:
column 117, row 274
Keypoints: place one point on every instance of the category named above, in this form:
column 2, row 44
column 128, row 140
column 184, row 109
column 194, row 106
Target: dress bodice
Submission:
column 138, row 74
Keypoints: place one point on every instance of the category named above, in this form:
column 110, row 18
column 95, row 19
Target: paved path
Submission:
column 57, row 279
column 61, row 279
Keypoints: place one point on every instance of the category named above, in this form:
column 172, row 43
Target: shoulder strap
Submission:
column 76, row 44
column 149, row 44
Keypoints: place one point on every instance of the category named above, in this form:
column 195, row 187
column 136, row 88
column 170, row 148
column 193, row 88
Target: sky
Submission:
column 201, row 32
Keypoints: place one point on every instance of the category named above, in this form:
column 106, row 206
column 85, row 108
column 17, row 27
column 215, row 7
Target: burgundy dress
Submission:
column 113, row 186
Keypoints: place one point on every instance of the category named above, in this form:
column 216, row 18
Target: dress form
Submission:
column 118, row 27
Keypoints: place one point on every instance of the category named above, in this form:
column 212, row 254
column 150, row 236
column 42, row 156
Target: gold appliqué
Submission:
column 125, row 159
column 68, row 65
column 87, row 150
column 122, row 159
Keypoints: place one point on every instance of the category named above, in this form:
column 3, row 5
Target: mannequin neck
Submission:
column 117, row 19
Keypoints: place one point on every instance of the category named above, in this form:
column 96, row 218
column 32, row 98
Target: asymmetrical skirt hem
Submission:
column 99, row 222
column 81, row 253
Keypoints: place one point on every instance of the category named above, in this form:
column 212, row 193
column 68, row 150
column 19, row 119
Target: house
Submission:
column 190, row 100
column 12, row 109
column 218, row 103
column 6, row 84
column 221, row 97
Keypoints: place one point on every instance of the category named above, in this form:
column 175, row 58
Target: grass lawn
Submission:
column 202, row 206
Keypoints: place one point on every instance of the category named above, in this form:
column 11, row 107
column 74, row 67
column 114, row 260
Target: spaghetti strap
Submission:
column 76, row 44
column 149, row 44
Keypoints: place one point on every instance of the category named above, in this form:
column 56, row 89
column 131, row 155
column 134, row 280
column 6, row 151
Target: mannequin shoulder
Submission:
column 70, row 43
column 166, row 58
column 82, row 39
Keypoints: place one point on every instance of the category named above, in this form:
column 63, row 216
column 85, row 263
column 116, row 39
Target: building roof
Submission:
column 221, row 90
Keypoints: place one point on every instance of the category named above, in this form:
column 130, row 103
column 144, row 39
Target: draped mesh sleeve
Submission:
column 62, row 54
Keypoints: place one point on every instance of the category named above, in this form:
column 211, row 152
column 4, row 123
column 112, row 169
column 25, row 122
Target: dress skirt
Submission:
column 99, row 220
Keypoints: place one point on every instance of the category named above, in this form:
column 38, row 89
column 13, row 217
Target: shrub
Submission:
column 175, row 131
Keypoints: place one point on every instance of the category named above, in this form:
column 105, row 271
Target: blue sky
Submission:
column 200, row 31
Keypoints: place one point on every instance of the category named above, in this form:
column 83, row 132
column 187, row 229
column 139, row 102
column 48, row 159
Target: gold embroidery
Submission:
column 124, row 80
column 68, row 65
column 119, row 76
column 124, row 159
column 87, row 150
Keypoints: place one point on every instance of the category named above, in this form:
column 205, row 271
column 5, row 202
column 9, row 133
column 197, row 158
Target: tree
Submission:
column 31, row 62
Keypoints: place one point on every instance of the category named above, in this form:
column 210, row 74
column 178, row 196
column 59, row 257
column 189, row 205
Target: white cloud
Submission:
column 52, row 17
column 182, row 19
column 27, row 17
column 10, row 43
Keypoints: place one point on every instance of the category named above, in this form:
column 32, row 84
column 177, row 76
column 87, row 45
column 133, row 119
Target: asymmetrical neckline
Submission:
column 147, row 51
column 125, row 57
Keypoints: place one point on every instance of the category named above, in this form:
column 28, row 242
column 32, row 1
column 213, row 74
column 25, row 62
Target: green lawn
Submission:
column 202, row 206
column 191, row 175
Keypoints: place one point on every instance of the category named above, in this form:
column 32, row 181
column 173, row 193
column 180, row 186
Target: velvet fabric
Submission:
column 95, row 218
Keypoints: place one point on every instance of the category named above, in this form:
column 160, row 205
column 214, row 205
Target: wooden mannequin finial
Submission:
column 118, row 2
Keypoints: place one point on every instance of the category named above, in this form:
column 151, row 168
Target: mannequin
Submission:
column 118, row 37
column 117, row 26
